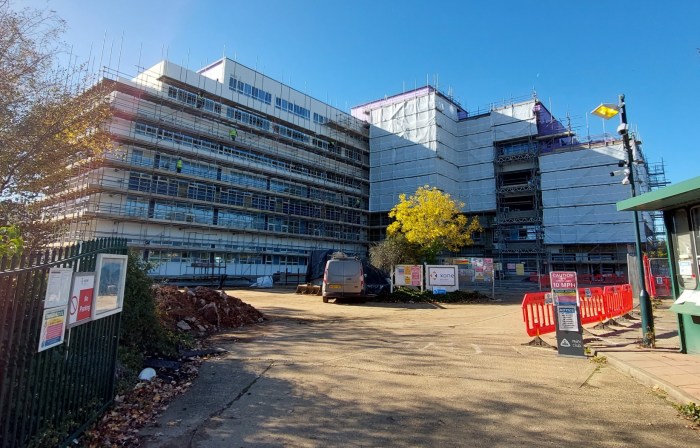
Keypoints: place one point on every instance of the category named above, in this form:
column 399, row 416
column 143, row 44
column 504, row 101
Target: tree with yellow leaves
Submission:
column 433, row 221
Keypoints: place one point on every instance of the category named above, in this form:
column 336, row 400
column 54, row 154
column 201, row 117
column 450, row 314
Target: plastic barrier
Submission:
column 592, row 308
column 538, row 316
column 596, row 305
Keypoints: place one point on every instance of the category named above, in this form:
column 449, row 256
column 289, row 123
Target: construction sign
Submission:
column 408, row 275
column 53, row 325
column 568, row 322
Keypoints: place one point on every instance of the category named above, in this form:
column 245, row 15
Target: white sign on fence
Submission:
column 443, row 276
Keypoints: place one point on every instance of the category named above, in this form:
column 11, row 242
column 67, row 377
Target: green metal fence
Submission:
column 47, row 396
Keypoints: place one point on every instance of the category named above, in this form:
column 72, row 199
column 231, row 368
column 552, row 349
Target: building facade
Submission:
column 546, row 199
column 226, row 171
column 222, row 171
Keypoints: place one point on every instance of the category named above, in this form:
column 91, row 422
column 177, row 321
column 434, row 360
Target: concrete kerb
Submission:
column 643, row 377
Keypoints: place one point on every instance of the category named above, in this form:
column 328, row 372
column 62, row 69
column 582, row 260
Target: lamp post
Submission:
column 607, row 111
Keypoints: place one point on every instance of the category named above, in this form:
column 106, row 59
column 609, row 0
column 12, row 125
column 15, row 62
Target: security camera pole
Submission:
column 644, row 300
column 606, row 112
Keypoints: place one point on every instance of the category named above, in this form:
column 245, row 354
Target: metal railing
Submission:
column 47, row 396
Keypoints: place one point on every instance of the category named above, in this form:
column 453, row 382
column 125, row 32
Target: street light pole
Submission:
column 644, row 300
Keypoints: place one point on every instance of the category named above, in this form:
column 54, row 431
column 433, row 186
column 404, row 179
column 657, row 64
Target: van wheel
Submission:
column 325, row 300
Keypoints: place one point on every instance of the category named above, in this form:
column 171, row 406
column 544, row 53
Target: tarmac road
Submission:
column 406, row 375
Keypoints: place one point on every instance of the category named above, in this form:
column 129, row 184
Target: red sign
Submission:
column 84, row 304
column 563, row 280
column 81, row 300
column 564, row 287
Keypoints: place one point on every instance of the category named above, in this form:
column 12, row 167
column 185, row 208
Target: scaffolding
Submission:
column 201, row 203
column 657, row 179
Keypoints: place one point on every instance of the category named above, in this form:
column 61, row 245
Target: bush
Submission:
column 412, row 295
column 142, row 333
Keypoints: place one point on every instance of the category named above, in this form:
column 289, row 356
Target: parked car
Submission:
column 343, row 278
column 376, row 284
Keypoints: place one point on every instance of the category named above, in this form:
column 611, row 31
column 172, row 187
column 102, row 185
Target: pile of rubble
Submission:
column 201, row 311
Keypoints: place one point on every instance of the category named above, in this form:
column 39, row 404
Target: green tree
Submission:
column 51, row 112
column 11, row 242
column 433, row 221
column 392, row 251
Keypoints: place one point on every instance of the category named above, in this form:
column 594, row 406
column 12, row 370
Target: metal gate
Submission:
column 47, row 396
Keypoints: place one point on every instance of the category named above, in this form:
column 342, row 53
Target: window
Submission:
column 248, row 118
column 695, row 214
column 320, row 119
column 686, row 255
column 249, row 90
column 292, row 108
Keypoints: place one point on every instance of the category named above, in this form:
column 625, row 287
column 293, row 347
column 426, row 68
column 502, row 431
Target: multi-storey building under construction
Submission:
column 223, row 171
column 545, row 198
column 227, row 171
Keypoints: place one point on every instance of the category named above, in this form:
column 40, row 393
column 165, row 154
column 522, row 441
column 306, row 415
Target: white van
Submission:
column 343, row 278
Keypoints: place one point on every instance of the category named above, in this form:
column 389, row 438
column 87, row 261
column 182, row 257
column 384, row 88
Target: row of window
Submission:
column 221, row 258
column 204, row 170
column 264, row 124
column 292, row 108
column 248, row 118
column 192, row 99
column 182, row 212
column 219, row 148
column 233, row 196
column 249, row 90
column 222, row 242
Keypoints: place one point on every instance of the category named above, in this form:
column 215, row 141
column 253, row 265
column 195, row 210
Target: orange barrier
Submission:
column 538, row 316
column 596, row 305
column 592, row 305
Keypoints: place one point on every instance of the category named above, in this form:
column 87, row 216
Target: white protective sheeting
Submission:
column 411, row 119
column 589, row 234
column 385, row 194
column 478, row 195
column 514, row 121
column 579, row 197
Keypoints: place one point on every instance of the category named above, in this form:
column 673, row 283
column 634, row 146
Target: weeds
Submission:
column 691, row 411
column 599, row 359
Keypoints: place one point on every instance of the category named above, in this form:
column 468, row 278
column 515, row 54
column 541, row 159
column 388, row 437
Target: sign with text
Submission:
column 564, row 286
column 81, row 298
column 408, row 275
column 53, row 325
column 443, row 276
column 58, row 287
column 474, row 270
column 569, row 330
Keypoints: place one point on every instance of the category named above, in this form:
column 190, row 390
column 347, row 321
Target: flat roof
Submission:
column 667, row 198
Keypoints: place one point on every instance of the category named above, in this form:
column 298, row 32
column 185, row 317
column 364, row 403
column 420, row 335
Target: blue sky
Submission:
column 575, row 55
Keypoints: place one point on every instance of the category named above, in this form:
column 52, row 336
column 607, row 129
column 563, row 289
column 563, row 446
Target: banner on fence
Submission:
column 445, row 277
column 53, row 326
column 58, row 287
column 408, row 275
column 474, row 270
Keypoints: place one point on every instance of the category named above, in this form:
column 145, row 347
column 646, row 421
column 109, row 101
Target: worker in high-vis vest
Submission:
column 233, row 133
column 178, row 166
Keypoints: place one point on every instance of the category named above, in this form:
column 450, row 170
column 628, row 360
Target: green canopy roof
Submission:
column 673, row 196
